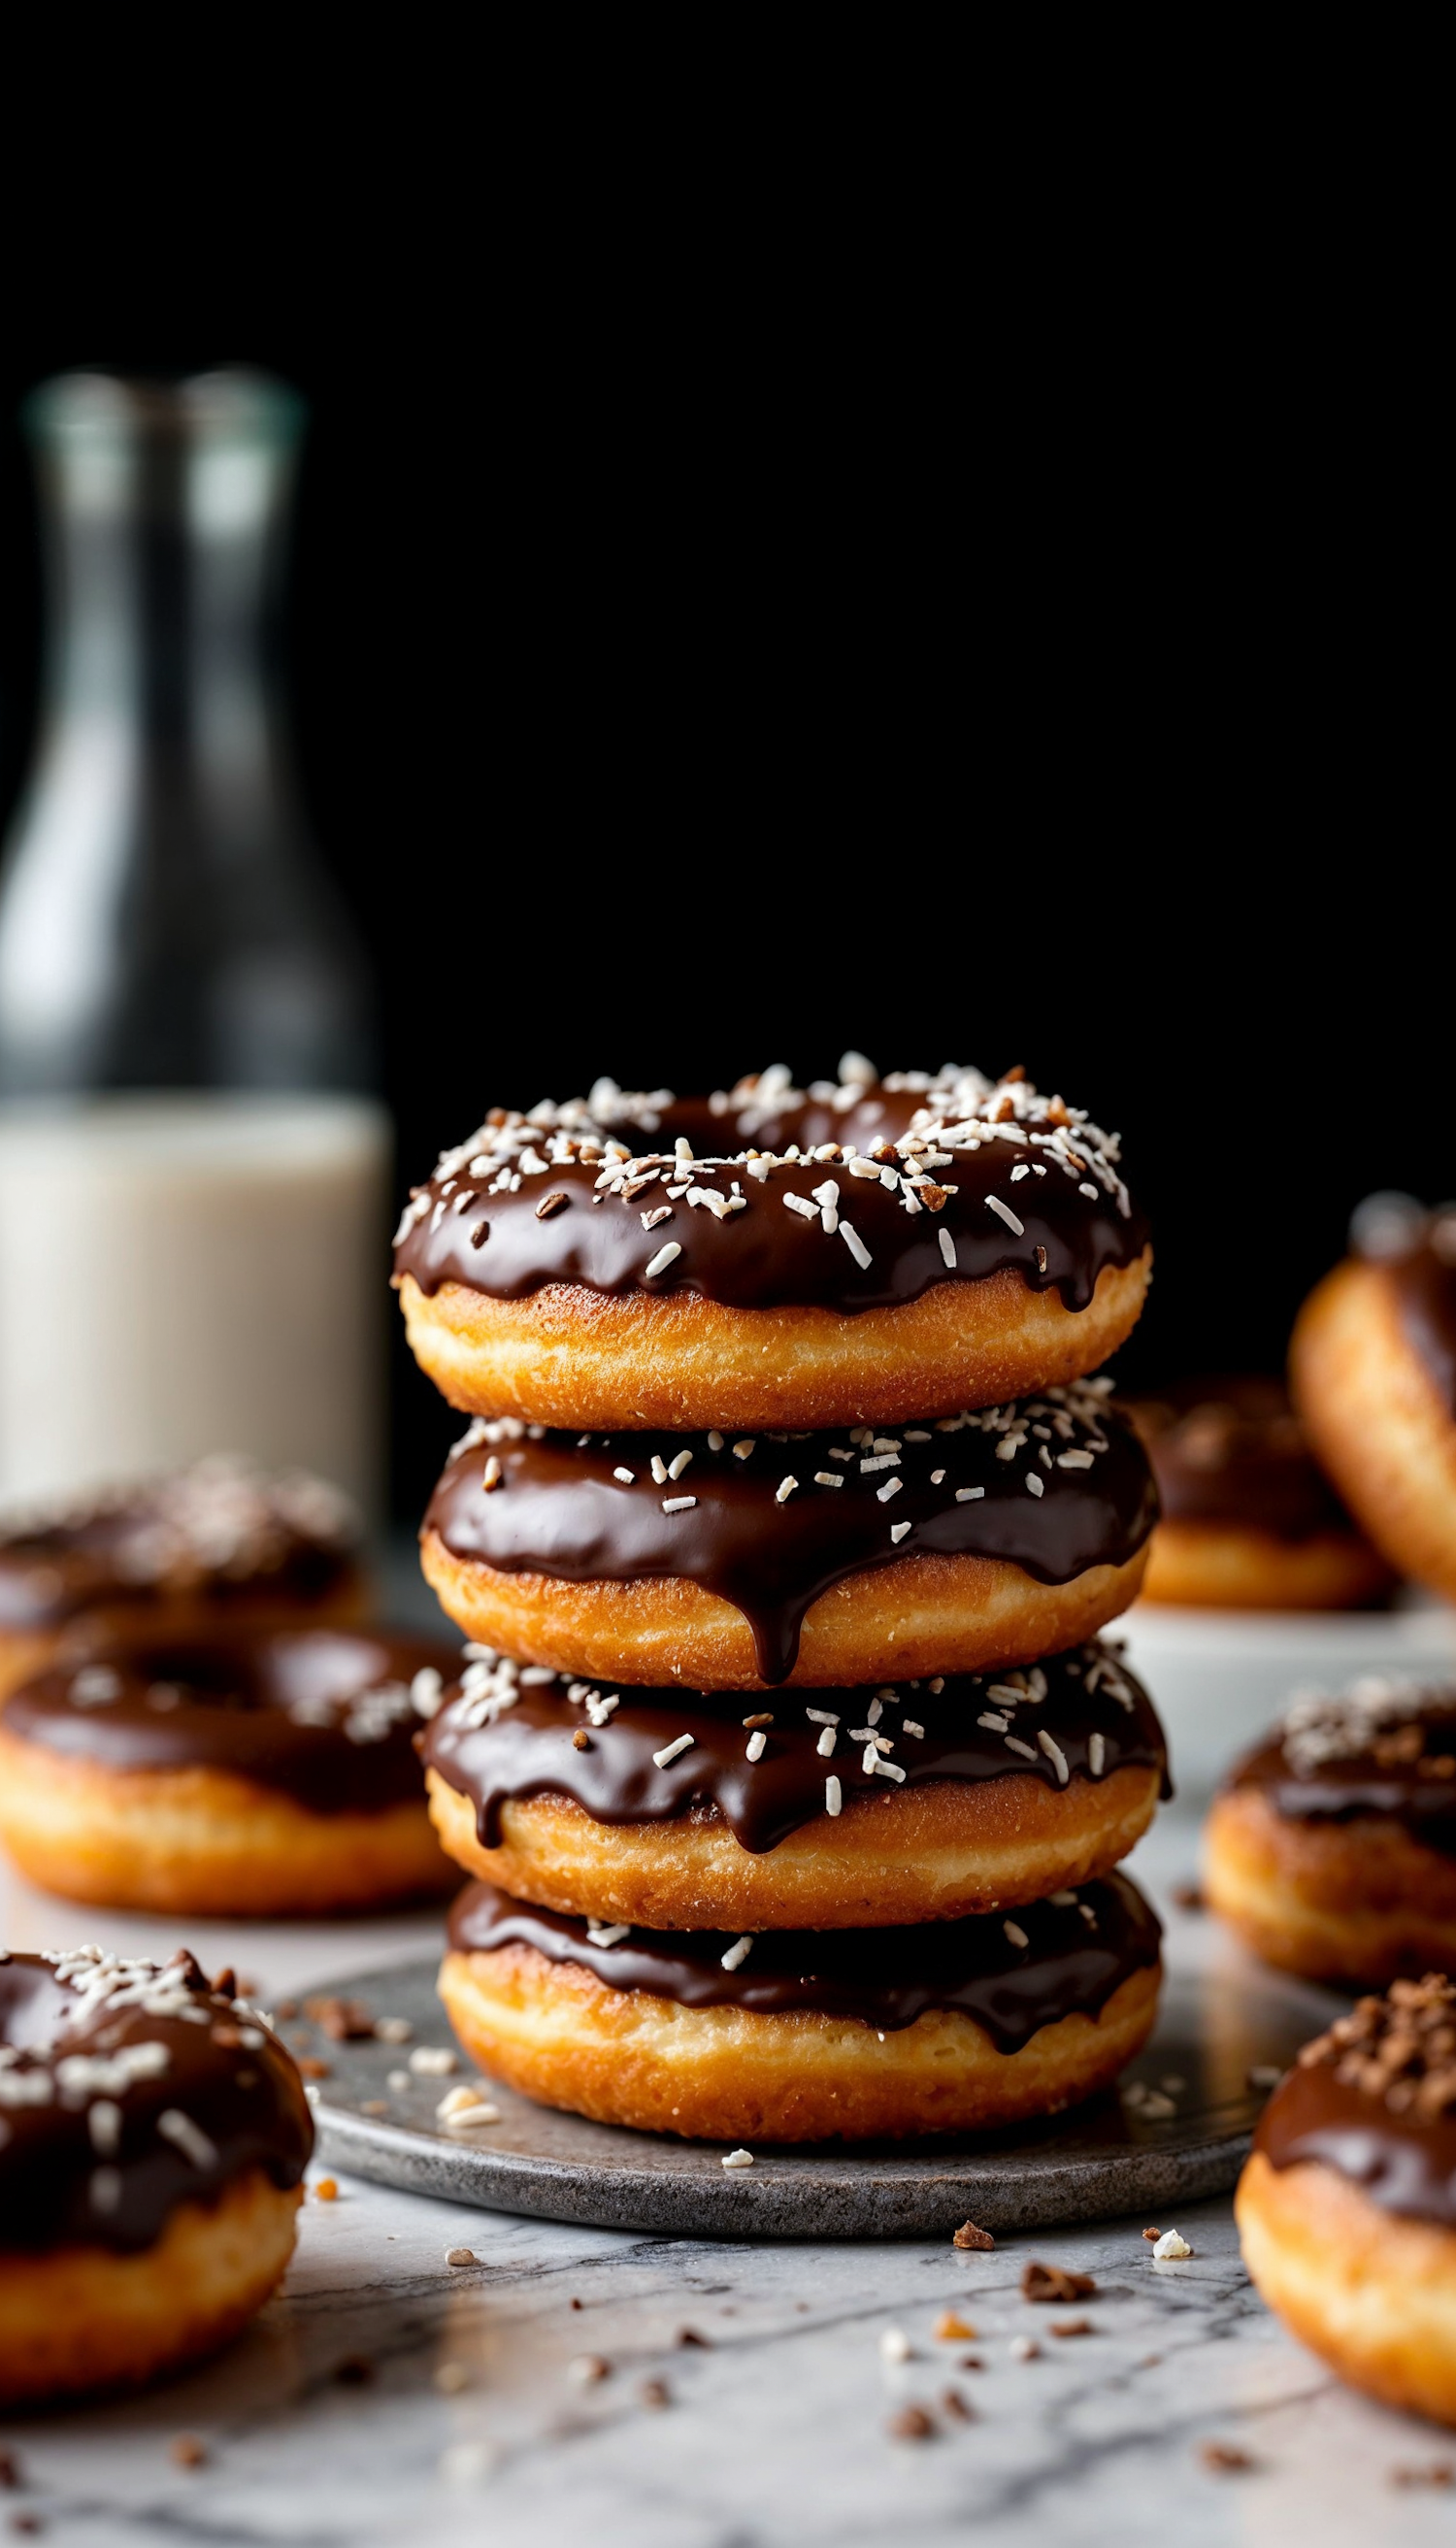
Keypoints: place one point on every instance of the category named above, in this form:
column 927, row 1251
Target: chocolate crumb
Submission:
column 1055, row 2282
column 970, row 2362
column 576, row 2304
column 655, row 2394
column 27, row 2523
column 1224, row 2459
column 551, row 1204
column 355, row 2371
column 9, row 2469
column 310, row 2067
column 580, row 1740
column 690, row 2336
column 287, row 2008
column 1188, row 1898
column 343, row 2021
column 1072, row 2326
column 1151, row 2234
column 954, row 2406
column 912, row 2425
column 187, row 2451
column 968, row 2235
column 1430, row 2473
column 479, row 1233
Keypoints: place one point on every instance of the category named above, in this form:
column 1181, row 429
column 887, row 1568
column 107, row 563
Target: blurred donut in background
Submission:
column 1250, row 1521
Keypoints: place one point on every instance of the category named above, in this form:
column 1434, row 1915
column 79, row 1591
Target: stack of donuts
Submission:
column 787, row 1760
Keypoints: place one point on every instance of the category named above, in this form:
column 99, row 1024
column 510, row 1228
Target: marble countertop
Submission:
column 387, row 2397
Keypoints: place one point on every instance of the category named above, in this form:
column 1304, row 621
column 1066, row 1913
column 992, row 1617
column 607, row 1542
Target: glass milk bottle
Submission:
column 192, row 1171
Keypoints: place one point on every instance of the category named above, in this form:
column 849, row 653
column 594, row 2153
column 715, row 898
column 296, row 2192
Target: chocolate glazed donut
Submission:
column 154, row 2139
column 727, row 1547
column 790, row 2036
column 916, row 1245
column 229, row 1773
column 1347, row 2207
column 913, row 1803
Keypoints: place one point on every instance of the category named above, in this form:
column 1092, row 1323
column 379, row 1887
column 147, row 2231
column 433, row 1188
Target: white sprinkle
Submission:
column 890, row 1488
column 737, row 2158
column 1034, row 1486
column 662, row 1260
column 96, row 1686
column 104, row 2123
column 820, row 1716
column 392, row 2029
column 937, row 1685
column 492, row 1474
column 1024, row 2349
column 826, row 1743
column 1264, row 2075
column 938, row 1476
column 994, row 1724
column 1015, row 1937
column 854, row 1244
column 827, row 1478
column 186, row 2136
column 885, row 1460
column 669, row 1751
column 966, row 1495
column 1089, row 1191
column 463, row 2109
column 611, row 1936
column 678, row 1503
column 1096, row 1754
column 898, row 1531
column 1054, row 1755
column 426, row 1691
column 104, row 2189
column 784, row 1488
column 431, row 2061
column 888, row 1770
column 1018, row 1174
column 756, row 1743
column 1004, row 1213
column 833, row 1795
column 947, row 1245
column 1172, row 2244
column 624, row 1476
column 675, row 1467
column 909, row 1726
column 801, row 1204
column 736, row 1955
column 1074, row 1459
column 1014, row 1743
column 894, row 2345
column 743, row 1450
column 715, row 1440
column 659, row 1470
column 874, row 1712
column 659, row 1212
column 1064, row 1900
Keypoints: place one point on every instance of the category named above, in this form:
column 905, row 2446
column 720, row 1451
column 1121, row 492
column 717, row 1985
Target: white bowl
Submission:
column 1219, row 1677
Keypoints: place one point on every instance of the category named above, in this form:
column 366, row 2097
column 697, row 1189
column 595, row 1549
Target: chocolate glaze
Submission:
column 1231, row 1449
column 1419, row 1794
column 559, row 1510
column 220, row 1533
column 527, row 1748
column 887, row 1977
column 1404, row 2163
column 1076, row 1216
column 58, row 2167
column 1425, row 1284
column 273, row 1708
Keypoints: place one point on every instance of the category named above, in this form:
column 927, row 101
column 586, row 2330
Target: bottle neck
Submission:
column 162, row 549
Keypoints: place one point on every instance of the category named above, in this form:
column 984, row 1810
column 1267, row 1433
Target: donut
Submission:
column 218, row 1542
column 742, row 1562
column 920, row 1801
column 1333, row 1849
column 863, row 1251
column 1247, row 1521
column 239, row 1773
column 802, row 2035
column 1347, row 2207
column 1372, row 1369
column 153, row 2136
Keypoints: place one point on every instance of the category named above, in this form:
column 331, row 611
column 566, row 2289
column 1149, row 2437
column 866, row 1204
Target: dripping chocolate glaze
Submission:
column 222, row 1535
column 561, row 1510
column 1425, row 1285
column 763, row 1254
column 1404, row 2163
column 887, row 1977
column 528, row 1749
column 272, row 1707
column 243, row 2095
column 1231, row 1449
column 1419, row 1792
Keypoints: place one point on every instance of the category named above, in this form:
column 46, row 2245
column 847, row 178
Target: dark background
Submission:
column 672, row 717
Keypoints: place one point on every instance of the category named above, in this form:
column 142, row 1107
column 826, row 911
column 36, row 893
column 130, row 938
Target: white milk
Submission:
column 192, row 1274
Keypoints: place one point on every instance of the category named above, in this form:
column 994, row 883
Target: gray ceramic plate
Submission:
column 1224, row 2015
